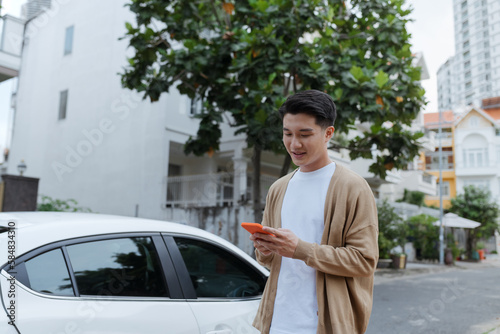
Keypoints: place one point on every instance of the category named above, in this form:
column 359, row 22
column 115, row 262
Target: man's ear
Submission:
column 329, row 132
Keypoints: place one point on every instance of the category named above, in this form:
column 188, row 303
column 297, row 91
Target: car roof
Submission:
column 35, row 229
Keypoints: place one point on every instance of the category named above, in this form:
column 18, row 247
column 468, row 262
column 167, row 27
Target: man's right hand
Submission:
column 256, row 243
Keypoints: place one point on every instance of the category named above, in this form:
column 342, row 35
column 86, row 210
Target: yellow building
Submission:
column 430, row 161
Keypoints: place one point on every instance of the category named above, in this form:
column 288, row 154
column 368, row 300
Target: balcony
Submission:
column 419, row 180
column 446, row 139
column 432, row 161
column 361, row 167
column 429, row 141
column 11, row 40
column 209, row 190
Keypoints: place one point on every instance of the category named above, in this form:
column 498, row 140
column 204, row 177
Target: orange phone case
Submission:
column 254, row 227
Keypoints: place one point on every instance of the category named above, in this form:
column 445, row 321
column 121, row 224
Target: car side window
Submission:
column 217, row 273
column 48, row 273
column 118, row 267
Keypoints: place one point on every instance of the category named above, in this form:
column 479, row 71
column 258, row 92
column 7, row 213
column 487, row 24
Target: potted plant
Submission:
column 401, row 234
column 480, row 248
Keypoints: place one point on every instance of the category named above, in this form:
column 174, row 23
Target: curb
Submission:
column 382, row 275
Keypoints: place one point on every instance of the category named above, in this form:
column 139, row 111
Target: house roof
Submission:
column 492, row 107
column 431, row 120
column 479, row 111
column 494, row 113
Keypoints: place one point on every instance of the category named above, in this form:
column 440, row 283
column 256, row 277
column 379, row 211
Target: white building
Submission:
column 474, row 71
column 477, row 152
column 89, row 139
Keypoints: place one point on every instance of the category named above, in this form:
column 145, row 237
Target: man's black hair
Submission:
column 311, row 102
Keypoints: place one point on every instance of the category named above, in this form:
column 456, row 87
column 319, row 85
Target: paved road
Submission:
column 453, row 301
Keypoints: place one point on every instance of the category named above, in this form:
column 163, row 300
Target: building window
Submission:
column 468, row 85
column 63, row 104
column 467, row 75
column 474, row 121
column 467, row 64
column 465, row 34
column 196, row 107
column 466, row 44
column 476, row 157
column 468, row 99
column 464, row 4
column 466, row 55
column 446, row 189
column 465, row 24
column 68, row 40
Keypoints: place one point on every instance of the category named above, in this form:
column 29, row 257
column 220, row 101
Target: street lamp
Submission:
column 21, row 167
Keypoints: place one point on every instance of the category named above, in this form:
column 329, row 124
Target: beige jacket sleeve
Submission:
column 357, row 256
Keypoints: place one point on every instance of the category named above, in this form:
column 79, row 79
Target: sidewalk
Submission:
column 418, row 268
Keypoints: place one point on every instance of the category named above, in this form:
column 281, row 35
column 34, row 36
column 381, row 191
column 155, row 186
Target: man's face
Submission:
column 306, row 142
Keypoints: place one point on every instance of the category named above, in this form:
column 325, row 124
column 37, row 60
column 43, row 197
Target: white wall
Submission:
column 111, row 153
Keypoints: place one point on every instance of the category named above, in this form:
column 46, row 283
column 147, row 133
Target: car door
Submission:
column 223, row 289
column 107, row 284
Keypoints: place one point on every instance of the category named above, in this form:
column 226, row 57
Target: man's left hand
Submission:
column 284, row 243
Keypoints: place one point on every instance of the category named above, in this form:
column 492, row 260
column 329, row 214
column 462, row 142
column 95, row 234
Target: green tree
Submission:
column 476, row 204
column 413, row 197
column 49, row 204
column 242, row 58
column 425, row 236
column 389, row 228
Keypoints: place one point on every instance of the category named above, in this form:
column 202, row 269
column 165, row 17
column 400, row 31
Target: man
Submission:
column 324, row 218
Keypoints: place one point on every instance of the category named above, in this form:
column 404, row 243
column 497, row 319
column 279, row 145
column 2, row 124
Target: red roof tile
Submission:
column 431, row 120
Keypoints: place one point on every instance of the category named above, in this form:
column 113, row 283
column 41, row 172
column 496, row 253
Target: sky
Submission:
column 432, row 33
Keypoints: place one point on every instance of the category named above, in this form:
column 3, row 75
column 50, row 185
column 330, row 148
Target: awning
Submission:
column 454, row 220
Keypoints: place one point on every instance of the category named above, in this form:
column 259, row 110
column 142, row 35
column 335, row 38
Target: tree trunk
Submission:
column 257, row 206
column 470, row 243
column 286, row 165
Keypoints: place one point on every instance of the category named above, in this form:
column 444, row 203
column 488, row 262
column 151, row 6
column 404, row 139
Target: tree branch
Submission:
column 215, row 12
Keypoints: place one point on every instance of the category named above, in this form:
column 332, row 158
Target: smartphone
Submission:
column 254, row 228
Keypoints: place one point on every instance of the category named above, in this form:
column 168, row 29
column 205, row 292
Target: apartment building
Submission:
column 473, row 73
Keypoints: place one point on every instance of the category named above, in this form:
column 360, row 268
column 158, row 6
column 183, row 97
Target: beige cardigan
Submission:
column 345, row 261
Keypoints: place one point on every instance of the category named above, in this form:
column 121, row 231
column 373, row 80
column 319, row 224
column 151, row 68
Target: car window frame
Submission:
column 167, row 272
column 183, row 273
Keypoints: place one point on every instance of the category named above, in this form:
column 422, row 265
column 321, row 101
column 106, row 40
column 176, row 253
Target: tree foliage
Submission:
column 390, row 226
column 413, row 197
column 50, row 204
column 425, row 236
column 476, row 204
column 245, row 57
column 242, row 58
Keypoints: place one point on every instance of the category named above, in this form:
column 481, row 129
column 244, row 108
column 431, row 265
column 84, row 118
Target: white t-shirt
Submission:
column 303, row 212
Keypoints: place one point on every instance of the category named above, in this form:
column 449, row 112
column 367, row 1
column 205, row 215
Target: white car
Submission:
column 93, row 273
